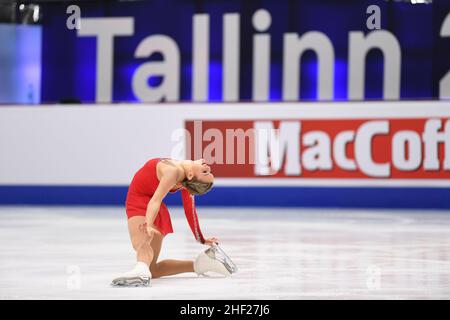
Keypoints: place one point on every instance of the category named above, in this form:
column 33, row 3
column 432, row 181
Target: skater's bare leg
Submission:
column 140, row 274
column 148, row 249
column 171, row 267
column 140, row 240
column 167, row 267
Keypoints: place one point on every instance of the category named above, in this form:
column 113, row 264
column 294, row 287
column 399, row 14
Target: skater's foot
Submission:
column 138, row 277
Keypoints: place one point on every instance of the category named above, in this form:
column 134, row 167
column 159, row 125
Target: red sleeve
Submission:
column 191, row 215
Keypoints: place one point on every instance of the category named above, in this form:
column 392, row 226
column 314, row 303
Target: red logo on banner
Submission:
column 351, row 149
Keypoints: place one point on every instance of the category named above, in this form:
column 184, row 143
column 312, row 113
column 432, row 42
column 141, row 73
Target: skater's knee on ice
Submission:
column 154, row 269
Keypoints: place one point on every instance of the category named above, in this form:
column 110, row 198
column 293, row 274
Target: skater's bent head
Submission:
column 202, row 179
column 196, row 187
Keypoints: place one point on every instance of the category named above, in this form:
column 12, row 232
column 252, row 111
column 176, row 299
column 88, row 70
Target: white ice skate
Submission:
column 138, row 277
column 214, row 259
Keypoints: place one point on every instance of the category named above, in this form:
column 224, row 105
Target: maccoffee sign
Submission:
column 323, row 148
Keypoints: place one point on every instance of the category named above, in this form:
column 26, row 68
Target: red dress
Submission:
column 143, row 186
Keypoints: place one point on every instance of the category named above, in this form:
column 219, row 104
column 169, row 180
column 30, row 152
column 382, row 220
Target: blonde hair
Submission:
column 196, row 187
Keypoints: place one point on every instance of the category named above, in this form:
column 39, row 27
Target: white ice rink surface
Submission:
column 74, row 253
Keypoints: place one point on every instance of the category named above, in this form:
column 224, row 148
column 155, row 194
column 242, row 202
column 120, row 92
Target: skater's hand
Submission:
column 211, row 241
column 150, row 229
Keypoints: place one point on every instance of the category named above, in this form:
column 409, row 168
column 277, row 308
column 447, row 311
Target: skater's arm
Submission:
column 192, row 218
column 168, row 180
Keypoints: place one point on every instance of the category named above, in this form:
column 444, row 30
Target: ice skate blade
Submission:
column 207, row 275
column 131, row 282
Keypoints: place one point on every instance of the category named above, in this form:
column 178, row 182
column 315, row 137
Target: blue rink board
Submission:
column 330, row 197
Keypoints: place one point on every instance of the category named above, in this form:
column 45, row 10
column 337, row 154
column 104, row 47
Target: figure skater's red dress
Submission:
column 143, row 186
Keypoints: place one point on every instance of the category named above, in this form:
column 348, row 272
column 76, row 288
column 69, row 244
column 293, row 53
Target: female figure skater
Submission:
column 149, row 220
